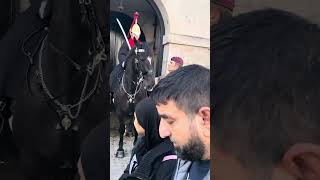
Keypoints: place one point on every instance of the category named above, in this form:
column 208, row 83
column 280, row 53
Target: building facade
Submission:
column 172, row 28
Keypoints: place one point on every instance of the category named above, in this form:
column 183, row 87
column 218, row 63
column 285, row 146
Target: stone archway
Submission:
column 151, row 21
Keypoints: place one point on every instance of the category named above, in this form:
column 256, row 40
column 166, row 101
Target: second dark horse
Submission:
column 65, row 92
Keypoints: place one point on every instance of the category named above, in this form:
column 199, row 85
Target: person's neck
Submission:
column 168, row 72
column 207, row 150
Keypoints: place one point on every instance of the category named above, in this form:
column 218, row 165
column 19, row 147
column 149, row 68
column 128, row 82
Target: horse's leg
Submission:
column 120, row 151
column 130, row 127
column 133, row 130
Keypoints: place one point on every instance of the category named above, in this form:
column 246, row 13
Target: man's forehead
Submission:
column 168, row 103
column 166, row 106
column 169, row 107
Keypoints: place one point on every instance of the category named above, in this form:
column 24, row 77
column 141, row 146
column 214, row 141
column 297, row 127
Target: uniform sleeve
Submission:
column 166, row 170
column 123, row 52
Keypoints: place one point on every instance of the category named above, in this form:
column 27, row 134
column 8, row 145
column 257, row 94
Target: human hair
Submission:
column 188, row 87
column 266, row 85
column 177, row 60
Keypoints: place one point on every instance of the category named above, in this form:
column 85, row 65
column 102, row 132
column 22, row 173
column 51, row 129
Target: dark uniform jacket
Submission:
column 153, row 158
column 156, row 164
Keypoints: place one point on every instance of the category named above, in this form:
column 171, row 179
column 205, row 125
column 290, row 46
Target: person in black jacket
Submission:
column 152, row 157
column 94, row 161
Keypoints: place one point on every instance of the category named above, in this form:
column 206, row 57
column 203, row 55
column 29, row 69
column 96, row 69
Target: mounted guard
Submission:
column 133, row 37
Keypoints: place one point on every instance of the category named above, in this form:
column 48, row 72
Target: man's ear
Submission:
column 303, row 161
column 204, row 113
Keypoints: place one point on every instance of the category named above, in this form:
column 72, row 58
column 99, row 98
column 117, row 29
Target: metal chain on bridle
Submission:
column 137, row 89
column 65, row 109
column 138, row 84
column 97, row 53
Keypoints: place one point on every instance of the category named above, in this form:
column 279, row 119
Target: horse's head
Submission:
column 69, row 58
column 85, row 29
column 141, row 58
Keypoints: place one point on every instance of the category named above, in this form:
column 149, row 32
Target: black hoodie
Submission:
column 147, row 160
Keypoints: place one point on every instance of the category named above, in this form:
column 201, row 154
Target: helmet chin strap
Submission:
column 135, row 36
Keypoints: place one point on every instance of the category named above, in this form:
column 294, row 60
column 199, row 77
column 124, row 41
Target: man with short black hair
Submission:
column 266, row 98
column 183, row 103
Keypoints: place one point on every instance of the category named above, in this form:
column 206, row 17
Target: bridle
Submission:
column 87, row 11
column 96, row 52
column 138, row 82
column 138, row 85
column 65, row 110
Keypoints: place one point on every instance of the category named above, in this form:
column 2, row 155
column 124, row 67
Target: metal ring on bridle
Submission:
column 132, row 96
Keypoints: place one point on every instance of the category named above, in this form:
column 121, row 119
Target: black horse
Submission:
column 136, row 80
column 66, row 89
column 12, row 65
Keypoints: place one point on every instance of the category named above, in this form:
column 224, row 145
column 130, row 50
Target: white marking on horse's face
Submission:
column 149, row 58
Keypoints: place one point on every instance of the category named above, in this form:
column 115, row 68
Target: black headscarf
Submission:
column 148, row 117
column 95, row 153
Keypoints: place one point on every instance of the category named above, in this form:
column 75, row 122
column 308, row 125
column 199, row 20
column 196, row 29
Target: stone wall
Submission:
column 187, row 26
